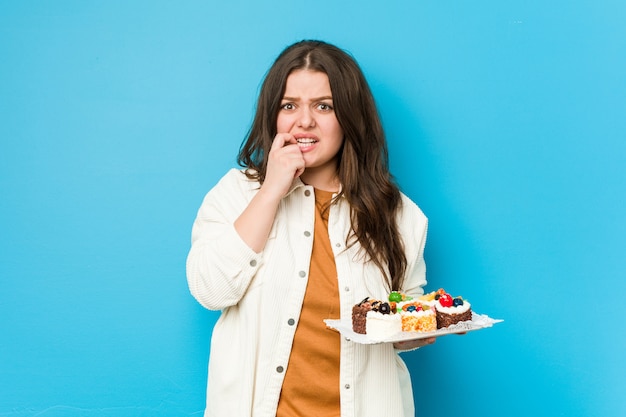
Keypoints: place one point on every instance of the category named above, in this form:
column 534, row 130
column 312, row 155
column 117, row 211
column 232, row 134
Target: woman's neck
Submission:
column 322, row 180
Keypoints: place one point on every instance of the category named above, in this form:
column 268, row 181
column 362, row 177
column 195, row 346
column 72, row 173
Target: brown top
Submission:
column 311, row 385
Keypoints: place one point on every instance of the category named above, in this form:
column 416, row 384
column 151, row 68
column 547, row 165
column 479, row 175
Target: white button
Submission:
column 307, row 233
column 302, row 274
column 279, row 369
column 253, row 262
column 307, row 192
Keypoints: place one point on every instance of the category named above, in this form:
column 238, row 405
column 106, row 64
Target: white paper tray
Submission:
column 479, row 321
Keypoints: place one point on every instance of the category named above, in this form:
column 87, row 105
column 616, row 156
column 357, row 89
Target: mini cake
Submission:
column 451, row 310
column 377, row 319
column 417, row 317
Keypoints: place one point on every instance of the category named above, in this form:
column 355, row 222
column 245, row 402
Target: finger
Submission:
column 282, row 139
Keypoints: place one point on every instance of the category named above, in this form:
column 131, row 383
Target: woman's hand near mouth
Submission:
column 285, row 162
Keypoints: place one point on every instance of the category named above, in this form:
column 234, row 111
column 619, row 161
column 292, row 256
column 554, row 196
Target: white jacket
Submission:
column 259, row 294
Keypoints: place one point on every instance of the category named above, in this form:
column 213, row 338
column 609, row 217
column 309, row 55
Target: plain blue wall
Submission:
column 506, row 123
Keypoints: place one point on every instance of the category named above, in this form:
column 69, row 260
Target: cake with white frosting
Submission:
column 417, row 317
column 382, row 326
column 451, row 310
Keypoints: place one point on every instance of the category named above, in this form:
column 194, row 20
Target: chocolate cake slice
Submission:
column 359, row 315
column 445, row 320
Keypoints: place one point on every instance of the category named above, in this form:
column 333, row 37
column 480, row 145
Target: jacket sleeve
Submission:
column 220, row 265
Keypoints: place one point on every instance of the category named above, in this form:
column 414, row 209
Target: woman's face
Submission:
column 307, row 112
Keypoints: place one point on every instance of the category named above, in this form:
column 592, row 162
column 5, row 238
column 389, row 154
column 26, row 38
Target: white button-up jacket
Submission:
column 260, row 296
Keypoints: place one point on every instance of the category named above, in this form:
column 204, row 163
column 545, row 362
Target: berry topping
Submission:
column 457, row 302
column 384, row 308
column 445, row 300
column 380, row 306
column 412, row 307
column 395, row 296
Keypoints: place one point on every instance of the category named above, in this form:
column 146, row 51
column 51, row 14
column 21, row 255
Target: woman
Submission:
column 312, row 225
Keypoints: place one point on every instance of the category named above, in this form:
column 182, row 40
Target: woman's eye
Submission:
column 324, row 107
column 287, row 106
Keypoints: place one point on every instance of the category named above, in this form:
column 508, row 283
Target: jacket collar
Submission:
column 297, row 183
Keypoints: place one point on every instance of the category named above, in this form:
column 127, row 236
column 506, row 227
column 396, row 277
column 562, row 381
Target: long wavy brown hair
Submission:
column 363, row 168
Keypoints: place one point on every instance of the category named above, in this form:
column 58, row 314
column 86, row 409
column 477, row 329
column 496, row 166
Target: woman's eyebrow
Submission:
column 313, row 99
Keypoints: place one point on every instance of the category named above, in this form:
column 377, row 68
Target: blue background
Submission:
column 506, row 123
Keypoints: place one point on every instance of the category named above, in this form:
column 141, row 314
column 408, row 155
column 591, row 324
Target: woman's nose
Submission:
column 306, row 118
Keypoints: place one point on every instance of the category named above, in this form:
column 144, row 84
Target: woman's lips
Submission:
column 306, row 142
